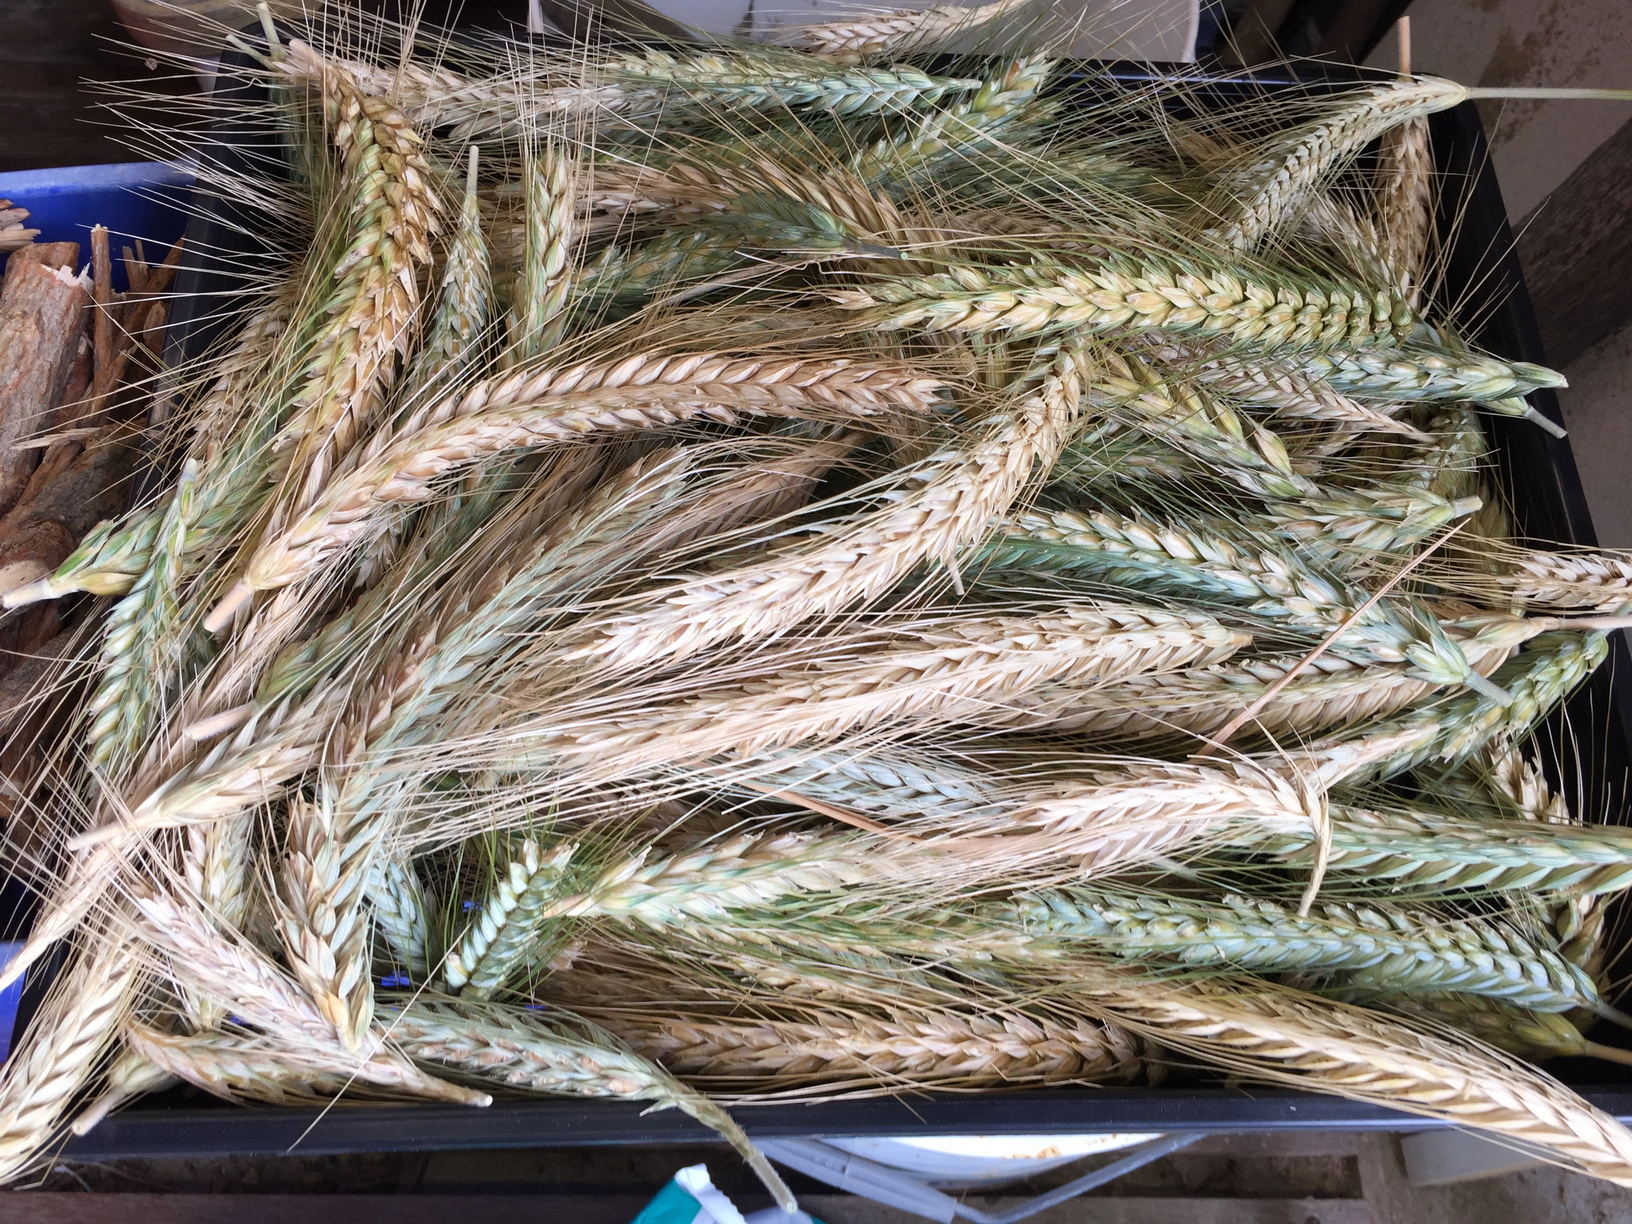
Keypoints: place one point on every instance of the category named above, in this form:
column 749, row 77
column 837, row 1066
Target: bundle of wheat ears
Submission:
column 751, row 572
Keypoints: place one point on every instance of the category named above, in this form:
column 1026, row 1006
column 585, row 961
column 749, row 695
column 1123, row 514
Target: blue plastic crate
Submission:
column 146, row 200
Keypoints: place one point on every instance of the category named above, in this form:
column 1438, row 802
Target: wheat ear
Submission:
column 957, row 131
column 1192, row 420
column 499, row 940
column 1258, row 197
column 1405, row 204
column 395, row 212
column 58, row 1055
column 1373, row 946
column 938, row 673
column 553, row 1052
column 464, row 302
column 933, row 1048
column 1205, row 560
column 1293, row 393
column 1119, row 300
column 561, row 406
column 758, row 81
column 897, row 33
column 542, row 289
column 942, row 504
column 237, row 1067
column 1412, row 373
column 206, row 959
column 401, row 914
column 1450, row 729
column 1425, row 850
column 1276, row 1035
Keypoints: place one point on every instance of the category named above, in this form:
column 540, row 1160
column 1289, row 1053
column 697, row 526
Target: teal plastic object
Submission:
column 146, row 200
column 690, row 1197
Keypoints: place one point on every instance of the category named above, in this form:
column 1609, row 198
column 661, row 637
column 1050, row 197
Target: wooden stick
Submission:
column 1402, row 38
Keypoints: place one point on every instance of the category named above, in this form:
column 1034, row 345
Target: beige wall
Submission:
column 1583, row 43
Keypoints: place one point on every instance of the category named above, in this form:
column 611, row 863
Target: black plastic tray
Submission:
column 1584, row 748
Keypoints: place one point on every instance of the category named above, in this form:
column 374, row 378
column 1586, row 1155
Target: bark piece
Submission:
column 38, row 535
column 42, row 315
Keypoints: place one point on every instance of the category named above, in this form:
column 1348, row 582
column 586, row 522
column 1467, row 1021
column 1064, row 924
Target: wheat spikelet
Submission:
column 901, row 32
column 1372, row 946
column 76, row 1023
column 498, row 940
column 941, row 504
column 557, row 1054
column 1281, row 1037
column 1257, row 197
column 131, row 1076
column 1119, row 300
column 561, row 406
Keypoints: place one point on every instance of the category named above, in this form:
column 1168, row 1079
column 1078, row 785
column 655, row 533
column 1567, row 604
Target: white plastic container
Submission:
column 964, row 1162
